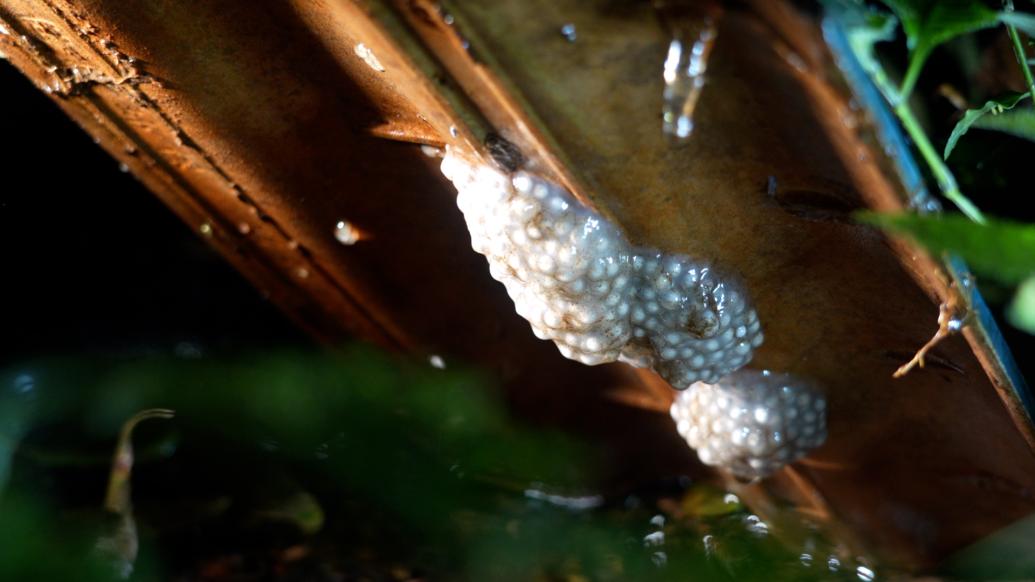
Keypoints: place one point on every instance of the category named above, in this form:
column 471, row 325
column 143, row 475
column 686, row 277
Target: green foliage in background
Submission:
column 930, row 23
column 997, row 249
column 378, row 461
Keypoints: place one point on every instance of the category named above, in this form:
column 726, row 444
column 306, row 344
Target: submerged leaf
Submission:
column 300, row 509
column 122, row 544
column 999, row 249
column 1021, row 311
column 117, row 498
column 994, row 106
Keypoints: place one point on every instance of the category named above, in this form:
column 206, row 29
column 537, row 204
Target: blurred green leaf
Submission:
column 999, row 249
column 17, row 411
column 299, row 509
column 1018, row 122
column 1021, row 311
column 929, row 23
column 392, row 423
column 35, row 544
column 994, row 106
column 373, row 456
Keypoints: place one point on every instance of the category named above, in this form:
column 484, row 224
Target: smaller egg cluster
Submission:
column 579, row 283
column 751, row 423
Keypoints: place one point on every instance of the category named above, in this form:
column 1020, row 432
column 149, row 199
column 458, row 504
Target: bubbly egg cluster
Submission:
column 750, row 422
column 582, row 285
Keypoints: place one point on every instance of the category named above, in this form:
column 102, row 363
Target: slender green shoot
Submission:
column 1018, row 49
column 942, row 174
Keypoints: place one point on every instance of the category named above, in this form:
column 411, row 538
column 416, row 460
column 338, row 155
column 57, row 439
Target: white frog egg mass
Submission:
column 581, row 284
column 751, row 423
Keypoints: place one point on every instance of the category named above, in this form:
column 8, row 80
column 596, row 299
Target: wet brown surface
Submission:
column 262, row 127
column 764, row 187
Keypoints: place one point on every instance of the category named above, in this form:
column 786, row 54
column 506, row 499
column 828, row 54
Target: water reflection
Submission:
column 684, row 74
column 693, row 30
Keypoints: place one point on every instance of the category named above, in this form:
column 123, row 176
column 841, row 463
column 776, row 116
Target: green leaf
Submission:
column 929, row 23
column 994, row 106
column 1021, row 311
column 911, row 14
column 998, row 249
column 1019, row 123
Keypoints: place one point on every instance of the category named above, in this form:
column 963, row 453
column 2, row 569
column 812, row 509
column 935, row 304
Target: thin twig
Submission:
column 949, row 323
column 819, row 506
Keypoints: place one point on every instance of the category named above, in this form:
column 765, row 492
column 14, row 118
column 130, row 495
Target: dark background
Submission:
column 92, row 261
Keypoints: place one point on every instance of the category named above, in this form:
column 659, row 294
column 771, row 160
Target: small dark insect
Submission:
column 506, row 155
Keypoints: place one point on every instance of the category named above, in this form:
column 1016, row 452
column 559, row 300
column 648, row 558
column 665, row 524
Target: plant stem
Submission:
column 1018, row 49
column 899, row 101
column 946, row 181
column 909, row 81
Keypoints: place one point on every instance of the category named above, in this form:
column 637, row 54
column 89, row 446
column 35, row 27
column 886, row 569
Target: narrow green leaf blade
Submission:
column 998, row 249
column 1019, row 123
column 1021, row 311
column 998, row 104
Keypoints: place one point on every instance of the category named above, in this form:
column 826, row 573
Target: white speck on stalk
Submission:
column 345, row 233
column 368, row 57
